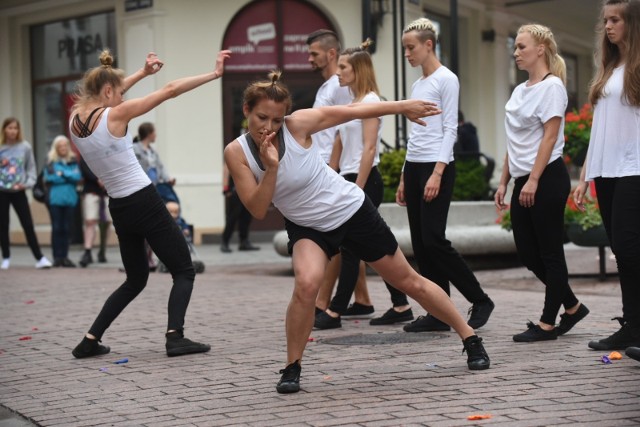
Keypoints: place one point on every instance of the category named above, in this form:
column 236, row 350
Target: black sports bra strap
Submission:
column 83, row 128
column 256, row 153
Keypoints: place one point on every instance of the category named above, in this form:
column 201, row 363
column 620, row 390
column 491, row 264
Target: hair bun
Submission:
column 274, row 76
column 106, row 59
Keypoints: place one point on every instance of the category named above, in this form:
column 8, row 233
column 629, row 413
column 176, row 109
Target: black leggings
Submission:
column 236, row 212
column 350, row 263
column 437, row 260
column 538, row 232
column 21, row 205
column 136, row 218
column 619, row 201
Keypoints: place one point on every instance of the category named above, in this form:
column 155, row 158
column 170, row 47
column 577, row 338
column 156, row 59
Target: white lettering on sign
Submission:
column 258, row 33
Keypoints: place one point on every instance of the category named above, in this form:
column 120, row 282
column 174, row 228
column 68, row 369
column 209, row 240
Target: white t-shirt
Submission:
column 528, row 109
column 308, row 192
column 353, row 142
column 112, row 159
column 330, row 93
column 614, row 148
column 434, row 142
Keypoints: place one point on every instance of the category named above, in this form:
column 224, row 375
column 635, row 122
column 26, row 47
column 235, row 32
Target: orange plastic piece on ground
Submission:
column 479, row 417
column 614, row 355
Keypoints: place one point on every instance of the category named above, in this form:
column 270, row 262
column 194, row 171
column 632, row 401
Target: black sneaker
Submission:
column 102, row 258
column 633, row 352
column 536, row 333
column 86, row 259
column 477, row 357
column 479, row 313
column 290, row 380
column 392, row 316
column 568, row 321
column 357, row 309
column 89, row 348
column 247, row 246
column 178, row 345
column 224, row 248
column 325, row 321
column 627, row 336
column 66, row 262
column 426, row 323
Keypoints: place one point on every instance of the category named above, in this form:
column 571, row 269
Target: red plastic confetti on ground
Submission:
column 25, row 338
column 614, row 355
column 479, row 417
column 29, row 302
column 327, row 377
column 34, row 328
column 311, row 339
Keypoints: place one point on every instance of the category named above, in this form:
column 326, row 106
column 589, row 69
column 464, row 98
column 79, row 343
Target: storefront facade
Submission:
column 46, row 45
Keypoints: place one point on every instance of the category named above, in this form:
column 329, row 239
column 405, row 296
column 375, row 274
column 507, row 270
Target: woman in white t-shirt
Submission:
column 613, row 159
column 534, row 125
column 428, row 177
column 355, row 155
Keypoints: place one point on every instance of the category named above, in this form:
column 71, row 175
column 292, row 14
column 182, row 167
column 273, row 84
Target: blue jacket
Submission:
column 62, row 179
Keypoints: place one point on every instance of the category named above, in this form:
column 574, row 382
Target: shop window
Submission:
column 61, row 52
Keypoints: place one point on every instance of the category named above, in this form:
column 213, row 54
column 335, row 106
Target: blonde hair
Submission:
column 53, row 155
column 271, row 89
column 5, row 124
column 608, row 55
column 96, row 78
column 543, row 35
column 425, row 30
column 365, row 77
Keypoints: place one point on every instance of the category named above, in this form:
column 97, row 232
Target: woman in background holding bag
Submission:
column 62, row 175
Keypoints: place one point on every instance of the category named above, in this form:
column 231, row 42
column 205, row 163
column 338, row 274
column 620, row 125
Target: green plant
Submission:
column 390, row 168
column 470, row 182
column 590, row 217
column 577, row 131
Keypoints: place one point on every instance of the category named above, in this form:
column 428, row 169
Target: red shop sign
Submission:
column 272, row 34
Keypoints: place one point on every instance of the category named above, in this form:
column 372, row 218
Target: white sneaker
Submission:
column 43, row 263
column 5, row 264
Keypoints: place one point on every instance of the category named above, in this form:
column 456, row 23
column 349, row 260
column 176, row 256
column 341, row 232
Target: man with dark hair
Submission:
column 324, row 50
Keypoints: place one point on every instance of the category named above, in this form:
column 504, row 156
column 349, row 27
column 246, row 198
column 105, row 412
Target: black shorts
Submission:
column 365, row 234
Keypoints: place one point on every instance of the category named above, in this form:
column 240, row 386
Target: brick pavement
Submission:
column 238, row 307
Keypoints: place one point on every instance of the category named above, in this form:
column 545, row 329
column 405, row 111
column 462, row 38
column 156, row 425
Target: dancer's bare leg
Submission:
column 309, row 264
column 395, row 269
column 328, row 282
column 361, row 293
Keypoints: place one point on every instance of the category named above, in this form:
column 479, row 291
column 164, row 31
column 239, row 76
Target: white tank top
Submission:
column 308, row 192
column 112, row 159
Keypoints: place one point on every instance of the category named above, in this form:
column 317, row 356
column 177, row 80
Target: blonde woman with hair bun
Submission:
column 99, row 127
column 534, row 126
column 428, row 177
column 61, row 174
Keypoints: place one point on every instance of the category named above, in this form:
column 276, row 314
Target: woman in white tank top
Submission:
column 276, row 162
column 99, row 127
